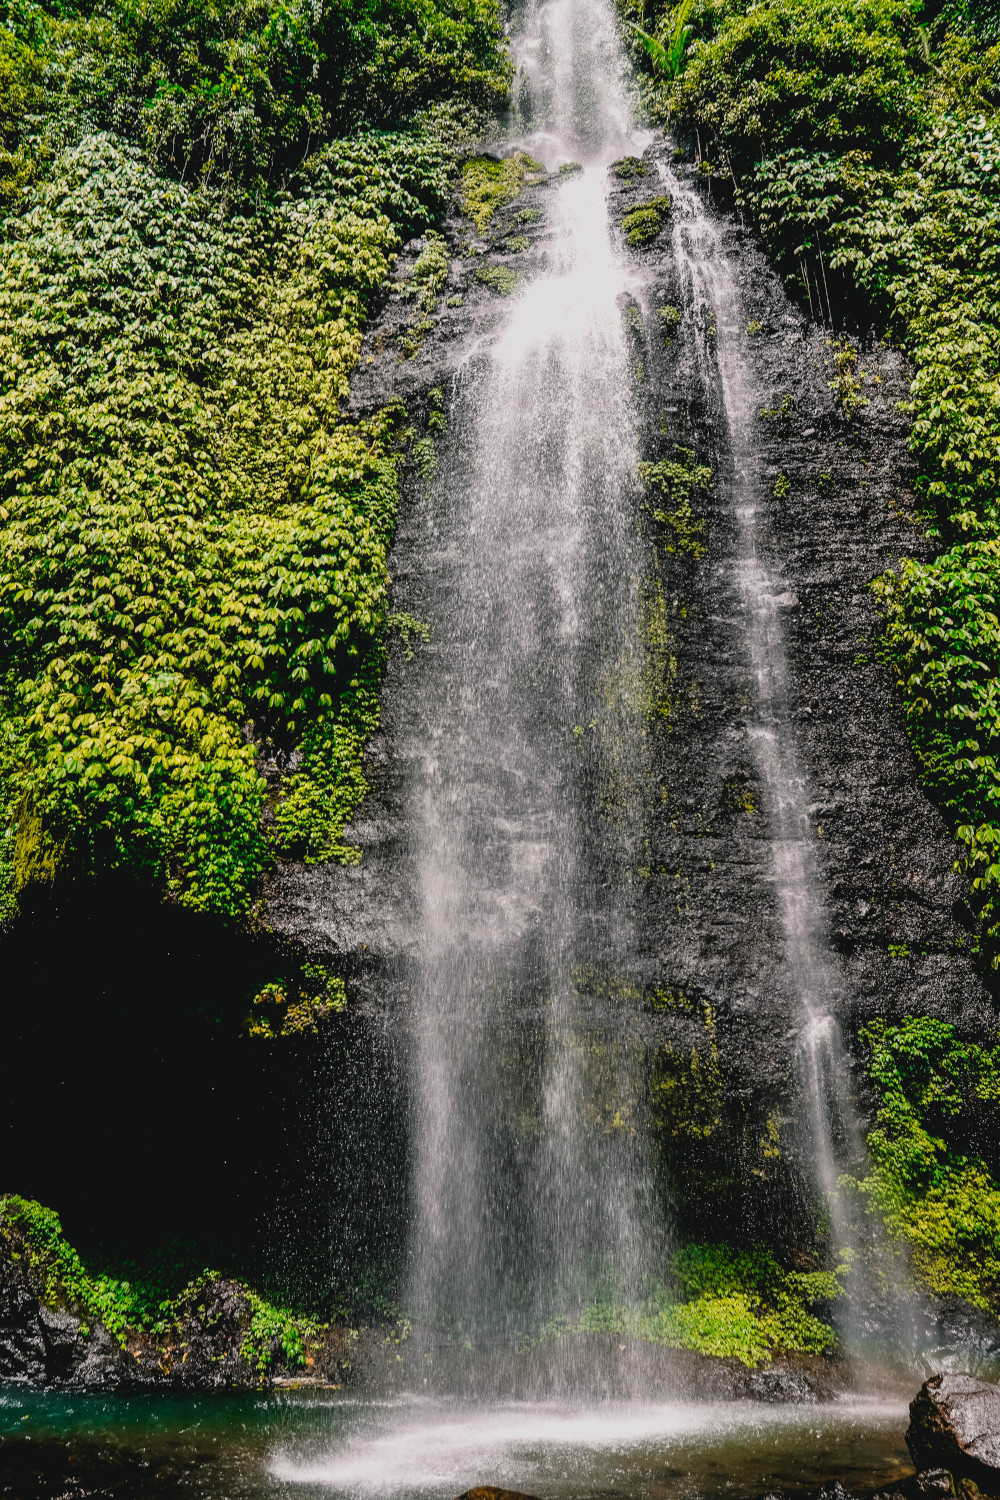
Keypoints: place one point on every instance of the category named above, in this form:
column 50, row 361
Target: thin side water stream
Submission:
column 809, row 962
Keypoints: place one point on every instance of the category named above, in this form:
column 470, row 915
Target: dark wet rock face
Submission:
column 955, row 1426
column 40, row 1345
column 835, row 511
column 959, row 1337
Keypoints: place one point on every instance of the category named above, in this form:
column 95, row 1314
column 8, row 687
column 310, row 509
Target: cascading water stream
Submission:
column 520, row 1195
column 810, row 966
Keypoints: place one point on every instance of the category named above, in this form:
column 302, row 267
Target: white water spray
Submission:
column 521, row 1192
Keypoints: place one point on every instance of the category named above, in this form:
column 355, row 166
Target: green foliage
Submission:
column 499, row 279
column 810, row 75
column 849, row 380
column 426, row 280
column 731, row 1304
column 628, row 168
column 404, row 175
column 667, row 55
column 297, row 1007
column 685, row 1087
column 192, row 566
column 642, row 225
column 744, row 1305
column 21, row 96
column 152, row 1299
column 489, row 184
column 658, row 697
column 670, row 318
column 933, row 1176
column 781, row 413
column 241, row 95
column 943, row 638
column 677, row 481
column 270, row 1326
column 170, row 436
column 54, row 1268
column 429, row 274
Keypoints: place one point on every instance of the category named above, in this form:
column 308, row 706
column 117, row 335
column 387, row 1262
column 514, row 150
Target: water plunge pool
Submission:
column 341, row 1444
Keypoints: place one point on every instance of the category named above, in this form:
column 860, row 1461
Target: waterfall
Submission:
column 810, row 966
column 529, row 1178
column 531, row 1183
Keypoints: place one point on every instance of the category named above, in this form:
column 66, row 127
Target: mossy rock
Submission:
column 670, row 318
column 75, row 1324
column 488, row 183
column 642, row 225
column 499, row 279
column 628, row 168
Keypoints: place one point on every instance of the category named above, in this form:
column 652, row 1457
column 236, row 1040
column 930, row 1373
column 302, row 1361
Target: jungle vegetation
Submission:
column 200, row 201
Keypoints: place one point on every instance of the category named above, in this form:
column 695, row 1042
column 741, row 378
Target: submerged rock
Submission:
column 955, row 1426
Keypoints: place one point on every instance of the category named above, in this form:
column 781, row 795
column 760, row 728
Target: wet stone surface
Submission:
column 835, row 511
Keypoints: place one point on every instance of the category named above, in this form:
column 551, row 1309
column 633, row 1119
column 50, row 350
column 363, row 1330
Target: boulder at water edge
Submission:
column 955, row 1425
column 487, row 1492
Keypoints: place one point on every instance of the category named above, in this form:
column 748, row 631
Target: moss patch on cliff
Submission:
column 676, row 482
column 642, row 224
column 934, row 1171
column 194, row 553
column 489, row 184
column 727, row 1303
column 192, row 560
column 192, row 569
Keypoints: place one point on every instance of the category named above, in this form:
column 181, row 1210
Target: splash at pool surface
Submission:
column 343, row 1446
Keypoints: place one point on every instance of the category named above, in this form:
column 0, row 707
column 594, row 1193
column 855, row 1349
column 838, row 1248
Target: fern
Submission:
column 668, row 60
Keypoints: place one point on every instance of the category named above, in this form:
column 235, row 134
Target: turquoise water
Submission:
column 340, row 1445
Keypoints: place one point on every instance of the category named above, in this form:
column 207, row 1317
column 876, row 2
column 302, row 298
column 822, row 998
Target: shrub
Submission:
column 499, row 279
column 938, row 1101
column 732, row 1304
column 239, row 96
